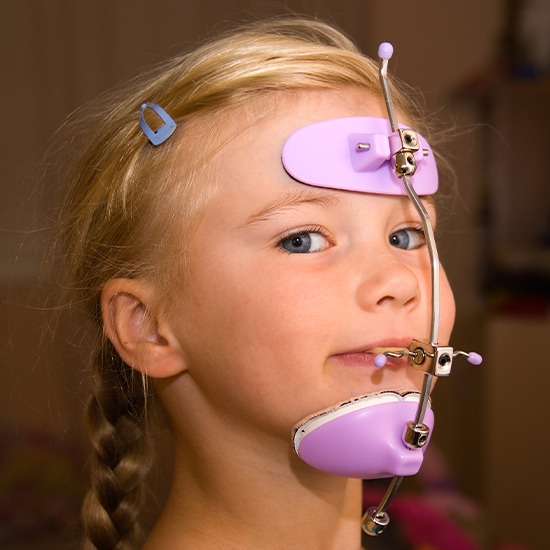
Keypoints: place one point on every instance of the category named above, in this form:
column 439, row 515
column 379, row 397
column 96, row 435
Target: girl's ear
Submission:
column 142, row 338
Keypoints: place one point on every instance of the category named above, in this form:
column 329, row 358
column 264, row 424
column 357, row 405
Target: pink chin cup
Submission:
column 355, row 154
column 363, row 438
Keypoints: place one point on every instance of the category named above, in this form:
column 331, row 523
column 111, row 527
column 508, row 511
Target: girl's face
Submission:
column 290, row 284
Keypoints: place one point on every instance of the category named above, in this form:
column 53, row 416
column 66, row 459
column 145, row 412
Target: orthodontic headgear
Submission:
column 380, row 435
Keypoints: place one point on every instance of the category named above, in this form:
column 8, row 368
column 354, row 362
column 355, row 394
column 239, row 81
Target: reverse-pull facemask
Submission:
column 385, row 434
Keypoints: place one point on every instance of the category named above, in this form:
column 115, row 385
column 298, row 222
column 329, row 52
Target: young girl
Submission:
column 242, row 298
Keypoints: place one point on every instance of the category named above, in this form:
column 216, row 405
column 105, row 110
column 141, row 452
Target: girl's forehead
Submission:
column 208, row 139
column 275, row 115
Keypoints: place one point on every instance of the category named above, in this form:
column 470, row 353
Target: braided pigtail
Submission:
column 115, row 418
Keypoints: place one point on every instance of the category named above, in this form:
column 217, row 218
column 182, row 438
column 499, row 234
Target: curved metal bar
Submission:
column 376, row 519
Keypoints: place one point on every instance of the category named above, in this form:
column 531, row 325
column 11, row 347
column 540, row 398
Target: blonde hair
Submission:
column 131, row 202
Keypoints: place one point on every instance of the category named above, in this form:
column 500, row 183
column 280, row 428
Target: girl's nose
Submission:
column 388, row 282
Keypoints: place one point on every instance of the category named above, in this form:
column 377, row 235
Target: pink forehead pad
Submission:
column 355, row 154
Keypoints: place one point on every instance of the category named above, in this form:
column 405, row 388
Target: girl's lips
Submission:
column 364, row 356
column 355, row 359
column 365, row 359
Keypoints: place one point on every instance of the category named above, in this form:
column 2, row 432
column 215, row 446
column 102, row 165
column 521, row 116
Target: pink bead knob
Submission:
column 380, row 360
column 385, row 50
column 474, row 358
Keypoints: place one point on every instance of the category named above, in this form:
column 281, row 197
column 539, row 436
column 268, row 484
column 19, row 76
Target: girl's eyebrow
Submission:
column 293, row 199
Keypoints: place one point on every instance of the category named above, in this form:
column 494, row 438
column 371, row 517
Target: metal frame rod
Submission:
column 435, row 280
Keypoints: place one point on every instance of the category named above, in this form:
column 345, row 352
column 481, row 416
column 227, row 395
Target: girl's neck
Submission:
column 231, row 503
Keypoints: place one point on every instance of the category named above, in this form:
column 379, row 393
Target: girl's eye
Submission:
column 304, row 242
column 408, row 239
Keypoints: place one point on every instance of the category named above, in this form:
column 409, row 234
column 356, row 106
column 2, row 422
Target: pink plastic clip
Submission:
column 363, row 438
column 355, row 154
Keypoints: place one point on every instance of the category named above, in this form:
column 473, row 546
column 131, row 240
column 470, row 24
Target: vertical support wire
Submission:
column 430, row 239
column 380, row 512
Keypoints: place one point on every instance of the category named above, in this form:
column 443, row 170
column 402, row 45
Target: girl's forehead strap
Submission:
column 358, row 154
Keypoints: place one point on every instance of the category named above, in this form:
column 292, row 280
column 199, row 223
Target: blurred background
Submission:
column 484, row 70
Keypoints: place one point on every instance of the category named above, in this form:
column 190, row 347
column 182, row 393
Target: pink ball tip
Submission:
column 380, row 360
column 474, row 358
column 385, row 50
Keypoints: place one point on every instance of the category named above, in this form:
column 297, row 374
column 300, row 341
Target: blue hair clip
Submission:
column 156, row 137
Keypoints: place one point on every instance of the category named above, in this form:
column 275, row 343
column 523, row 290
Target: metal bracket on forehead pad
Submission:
column 355, row 154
